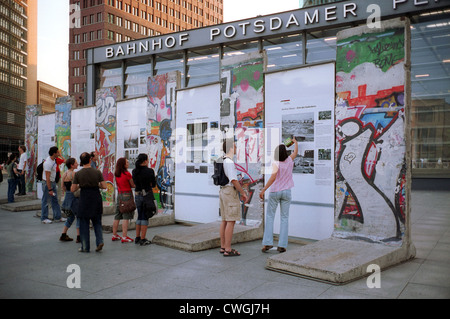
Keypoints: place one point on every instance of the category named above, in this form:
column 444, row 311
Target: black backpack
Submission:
column 219, row 177
column 40, row 171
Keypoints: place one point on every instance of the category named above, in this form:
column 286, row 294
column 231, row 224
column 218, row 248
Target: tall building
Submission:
column 18, row 70
column 100, row 22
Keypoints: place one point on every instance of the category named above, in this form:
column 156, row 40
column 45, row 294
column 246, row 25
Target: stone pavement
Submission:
column 34, row 265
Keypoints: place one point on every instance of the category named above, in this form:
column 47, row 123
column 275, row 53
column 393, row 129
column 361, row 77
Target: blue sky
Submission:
column 53, row 32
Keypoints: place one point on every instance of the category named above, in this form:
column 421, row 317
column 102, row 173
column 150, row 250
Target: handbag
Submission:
column 148, row 204
column 127, row 206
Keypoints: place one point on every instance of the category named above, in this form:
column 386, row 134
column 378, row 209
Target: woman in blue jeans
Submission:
column 281, row 182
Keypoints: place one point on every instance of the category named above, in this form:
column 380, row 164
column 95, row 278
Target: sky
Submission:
column 53, row 32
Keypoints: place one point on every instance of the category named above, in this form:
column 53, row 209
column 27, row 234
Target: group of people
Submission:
column 16, row 167
column 83, row 200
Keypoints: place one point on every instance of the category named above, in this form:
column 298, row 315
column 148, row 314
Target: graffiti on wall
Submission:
column 161, row 91
column 370, row 138
column 31, row 142
column 63, row 109
column 105, row 136
column 242, row 116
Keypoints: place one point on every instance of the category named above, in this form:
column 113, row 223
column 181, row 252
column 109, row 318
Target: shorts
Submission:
column 119, row 215
column 230, row 205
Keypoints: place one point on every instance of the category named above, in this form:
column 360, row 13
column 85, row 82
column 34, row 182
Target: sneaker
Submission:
column 116, row 237
column 145, row 242
column 64, row 237
column 137, row 240
column 127, row 240
column 47, row 221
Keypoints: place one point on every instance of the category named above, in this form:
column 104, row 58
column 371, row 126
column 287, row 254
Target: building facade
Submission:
column 292, row 39
column 47, row 95
column 18, row 70
column 100, row 22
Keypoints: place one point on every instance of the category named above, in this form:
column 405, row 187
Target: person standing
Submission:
column 124, row 182
column 70, row 203
column 230, row 205
column 144, row 179
column 281, row 182
column 49, row 188
column 11, row 168
column 90, row 206
column 22, row 168
column 94, row 162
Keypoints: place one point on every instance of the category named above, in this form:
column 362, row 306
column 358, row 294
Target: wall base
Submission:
column 205, row 236
column 339, row 261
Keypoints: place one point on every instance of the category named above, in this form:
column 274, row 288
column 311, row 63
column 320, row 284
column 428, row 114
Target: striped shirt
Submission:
column 284, row 178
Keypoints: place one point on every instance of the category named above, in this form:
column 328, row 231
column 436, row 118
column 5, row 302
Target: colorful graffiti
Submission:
column 370, row 137
column 160, row 125
column 105, row 137
column 242, row 115
column 31, row 142
column 63, row 113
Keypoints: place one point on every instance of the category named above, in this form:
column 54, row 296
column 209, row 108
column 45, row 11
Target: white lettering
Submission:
column 374, row 20
column 244, row 27
column 120, row 51
column 143, row 46
column 157, row 43
column 260, row 25
column 273, row 26
column 109, row 52
column 352, row 10
column 214, row 33
column 374, row 280
column 74, row 280
column 183, row 38
column 329, row 11
column 395, row 2
column 421, row 3
column 292, row 20
column 315, row 17
column 229, row 35
column 131, row 47
column 170, row 42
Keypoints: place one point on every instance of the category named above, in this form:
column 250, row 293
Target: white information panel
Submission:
column 131, row 129
column 82, row 131
column 46, row 139
column 197, row 146
column 300, row 103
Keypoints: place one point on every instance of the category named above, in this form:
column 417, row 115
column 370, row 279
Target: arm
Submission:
column 270, row 181
column 102, row 185
column 295, row 153
column 241, row 191
column 49, row 183
column 74, row 188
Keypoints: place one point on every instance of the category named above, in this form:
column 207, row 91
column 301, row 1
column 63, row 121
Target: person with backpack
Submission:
column 49, row 191
column 281, row 182
column 11, row 168
column 230, row 204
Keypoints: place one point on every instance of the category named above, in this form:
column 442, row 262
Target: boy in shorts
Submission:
column 230, row 205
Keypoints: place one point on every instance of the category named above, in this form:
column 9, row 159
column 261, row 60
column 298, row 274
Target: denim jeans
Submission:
column 284, row 199
column 12, row 184
column 55, row 205
column 85, row 232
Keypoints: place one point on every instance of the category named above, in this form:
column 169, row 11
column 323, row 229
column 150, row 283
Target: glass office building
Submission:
column 300, row 41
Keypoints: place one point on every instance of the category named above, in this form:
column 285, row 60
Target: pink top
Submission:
column 284, row 178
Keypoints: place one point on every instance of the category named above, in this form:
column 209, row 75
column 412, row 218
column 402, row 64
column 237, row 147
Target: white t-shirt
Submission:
column 23, row 159
column 230, row 170
column 49, row 166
